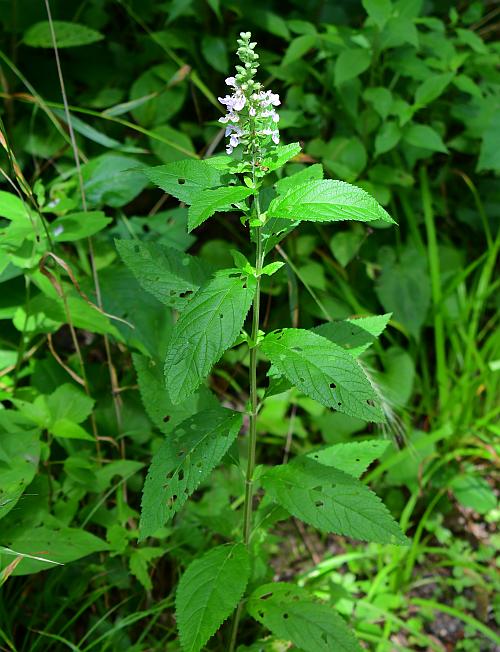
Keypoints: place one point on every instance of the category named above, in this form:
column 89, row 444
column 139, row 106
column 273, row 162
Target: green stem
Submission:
column 254, row 404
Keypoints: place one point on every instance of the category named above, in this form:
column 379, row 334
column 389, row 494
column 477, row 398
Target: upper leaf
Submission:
column 323, row 371
column 184, row 460
column 310, row 173
column 185, row 179
column 291, row 613
column 169, row 275
column 208, row 202
column 208, row 326
column 331, row 501
column 208, row 593
column 68, row 34
column 327, row 201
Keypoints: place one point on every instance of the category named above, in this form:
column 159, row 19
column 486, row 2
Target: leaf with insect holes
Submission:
column 184, row 460
column 292, row 614
column 323, row 371
column 208, row 593
column 327, row 201
column 185, row 179
column 354, row 335
column 169, row 275
column 210, row 324
column 331, row 501
column 208, row 202
column 352, row 457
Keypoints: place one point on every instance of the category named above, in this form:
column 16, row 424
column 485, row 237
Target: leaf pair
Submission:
column 212, row 586
column 200, row 184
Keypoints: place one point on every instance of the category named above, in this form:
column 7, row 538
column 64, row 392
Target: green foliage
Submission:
column 395, row 107
column 210, row 324
column 323, row 371
column 183, row 461
column 332, row 501
column 292, row 614
column 208, row 593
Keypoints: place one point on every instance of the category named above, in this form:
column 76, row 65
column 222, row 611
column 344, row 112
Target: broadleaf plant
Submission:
column 321, row 488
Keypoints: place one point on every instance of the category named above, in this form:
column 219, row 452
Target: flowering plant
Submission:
column 320, row 487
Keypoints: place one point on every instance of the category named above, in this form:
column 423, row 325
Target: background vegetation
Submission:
column 399, row 97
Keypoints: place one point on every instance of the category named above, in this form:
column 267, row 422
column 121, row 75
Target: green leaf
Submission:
column 56, row 543
column 378, row 10
column 208, row 202
column 160, row 409
column 184, row 460
column 279, row 155
column 403, row 287
column 112, row 179
column 323, row 371
column 355, row 334
column 474, row 492
column 76, row 226
column 19, row 457
column 298, row 48
column 208, row 593
column 169, row 275
column 489, row 155
column 210, row 324
column 310, row 173
column 430, row 89
column 292, row 614
column 185, row 179
column 68, row 429
column 353, row 457
column 345, row 244
column 68, row 35
column 425, row 137
column 387, row 138
column 69, row 402
column 327, row 201
column 214, row 50
column 12, row 208
column 351, row 63
column 331, row 501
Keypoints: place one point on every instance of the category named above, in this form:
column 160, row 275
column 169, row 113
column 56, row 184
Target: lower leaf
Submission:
column 208, row 593
column 291, row 613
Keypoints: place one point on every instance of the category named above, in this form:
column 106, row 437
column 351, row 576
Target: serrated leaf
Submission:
column 291, row 613
column 327, row 201
column 68, row 35
column 185, row 179
column 208, row 202
column 280, row 155
column 208, row 593
column 210, row 324
column 331, row 501
column 323, row 371
column 160, row 409
column 169, row 275
column 355, row 334
column 352, row 457
column 184, row 460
